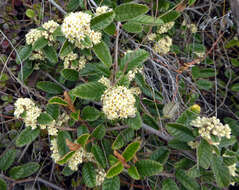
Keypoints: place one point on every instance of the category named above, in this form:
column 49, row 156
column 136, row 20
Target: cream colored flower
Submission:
column 100, row 176
column 152, row 37
column 131, row 74
column 55, row 152
column 76, row 27
column 193, row 28
column 105, row 81
column 32, row 112
column 211, row 126
column 163, row 45
column 165, row 27
column 34, row 34
column 118, row 103
column 102, row 10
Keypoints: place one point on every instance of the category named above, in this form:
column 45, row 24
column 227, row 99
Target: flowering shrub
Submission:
column 99, row 109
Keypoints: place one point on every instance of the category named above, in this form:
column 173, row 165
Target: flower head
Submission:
column 118, row 103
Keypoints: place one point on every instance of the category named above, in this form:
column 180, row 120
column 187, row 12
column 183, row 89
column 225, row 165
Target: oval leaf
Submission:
column 131, row 150
column 128, row 11
column 7, row 159
column 148, row 168
column 102, row 21
column 89, row 174
column 115, row 170
column 70, row 74
column 27, row 136
column 102, row 51
column 49, row 87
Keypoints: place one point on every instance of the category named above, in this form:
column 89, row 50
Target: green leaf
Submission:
column 74, row 5
column 115, row 170
column 111, row 184
column 3, row 185
column 135, row 123
column 24, row 54
column 133, row 27
column 89, row 91
column 194, row 172
column 90, row 113
column 180, row 132
column 40, row 43
column 53, row 110
column 190, row 2
column 204, row 84
column 133, row 59
column 188, row 182
column 58, row 32
column 148, row 20
column 204, row 154
column 67, row 171
column 57, row 100
column 26, row 71
column 198, row 72
column 66, row 48
column 235, row 87
column 110, row 30
column 128, row 11
column 75, row 115
column 220, row 171
column 171, row 16
column 50, row 53
column 89, row 174
column 82, row 140
column 61, row 142
column 66, row 158
column 99, row 132
column 49, row 87
column 187, row 117
column 7, row 159
column 82, row 130
column 161, row 154
column 123, row 138
column 169, row 184
column 99, row 155
column 148, row 168
column 179, row 145
column 131, row 150
column 102, row 21
column 102, row 51
column 133, row 172
column 70, row 74
column 27, row 136
column 44, row 119
column 24, row 170
column 30, row 13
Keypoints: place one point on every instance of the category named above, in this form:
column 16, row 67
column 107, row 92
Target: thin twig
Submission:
column 58, row 7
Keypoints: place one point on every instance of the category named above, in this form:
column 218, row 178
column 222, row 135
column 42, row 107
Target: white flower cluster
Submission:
column 68, row 59
column 163, row 45
column 34, row 34
column 55, row 152
column 80, row 156
column 193, row 28
column 102, row 10
column 37, row 55
column 50, row 26
column 81, row 63
column 131, row 74
column 52, row 127
column 135, row 90
column 152, row 37
column 105, row 81
column 32, row 112
column 76, row 27
column 100, row 176
column 193, row 144
column 165, row 27
column 232, row 169
column 118, row 103
column 211, row 126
